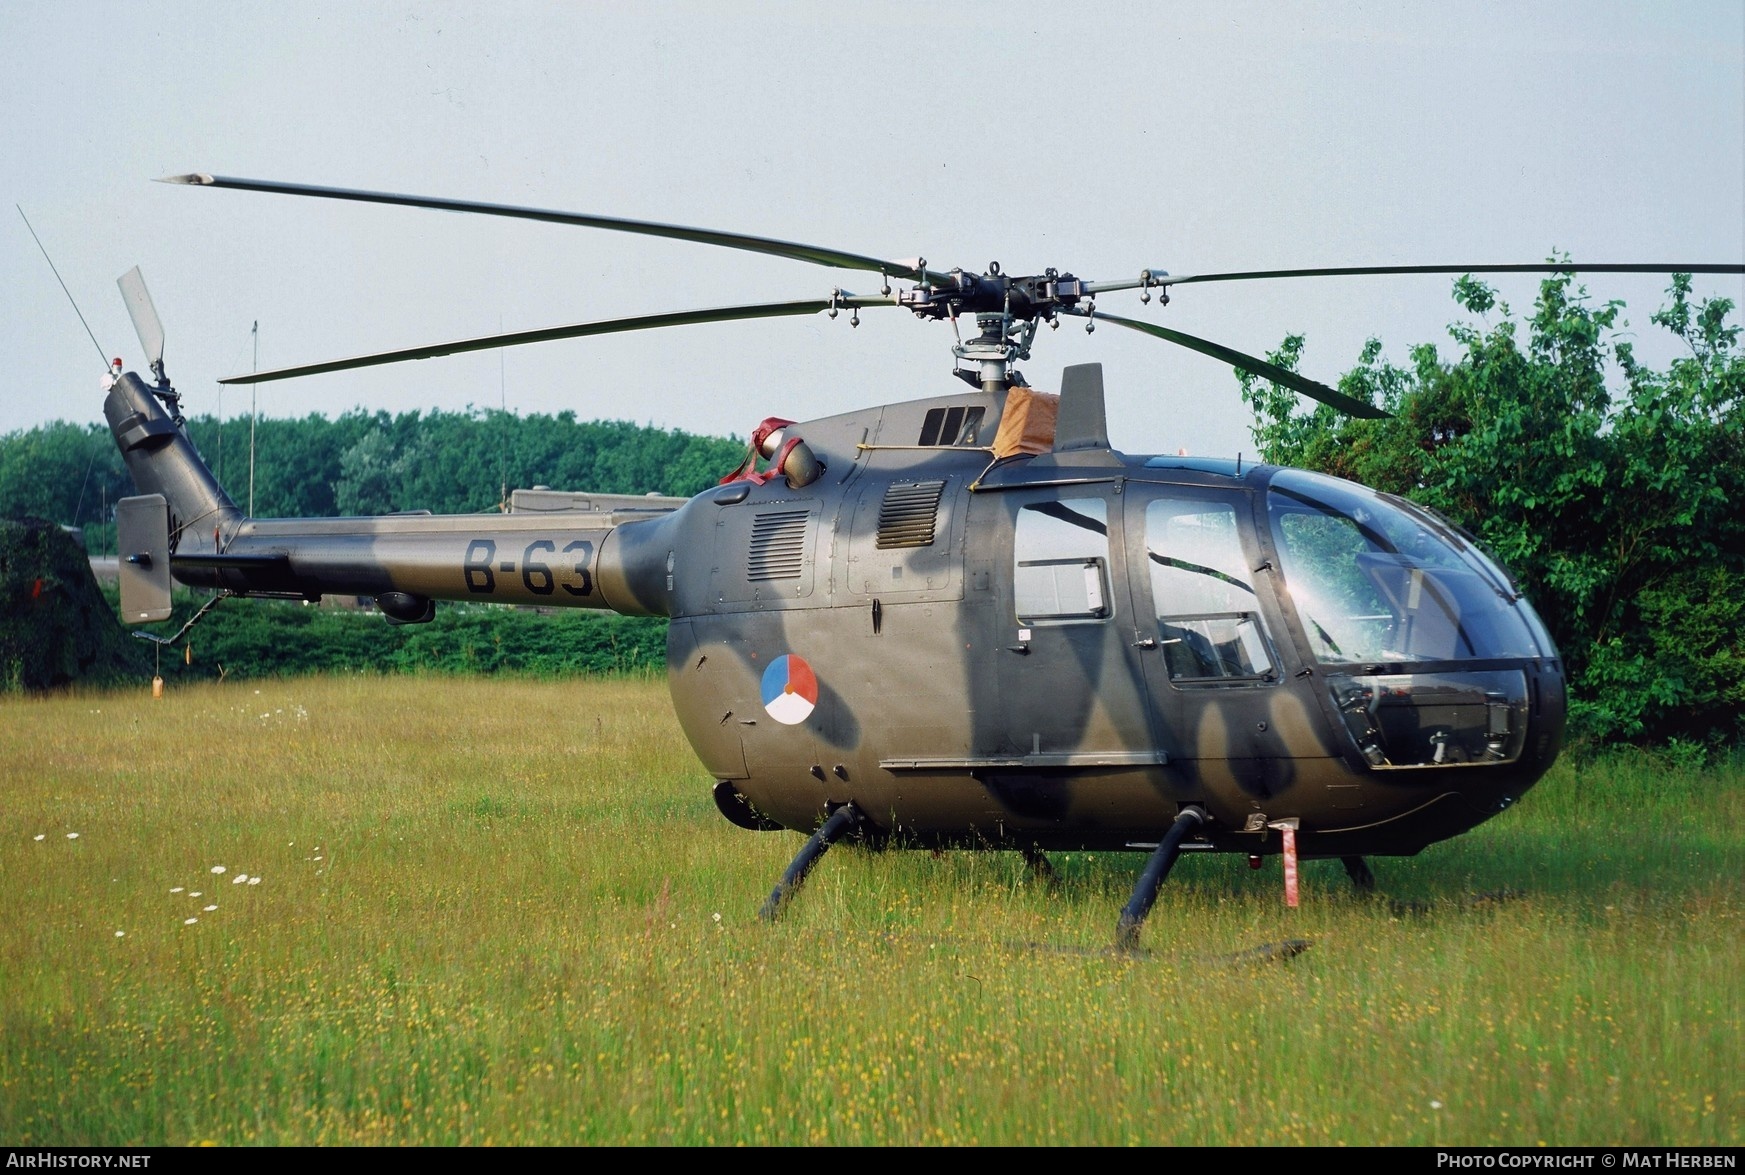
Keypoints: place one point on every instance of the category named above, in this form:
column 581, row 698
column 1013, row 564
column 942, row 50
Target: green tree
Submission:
column 66, row 473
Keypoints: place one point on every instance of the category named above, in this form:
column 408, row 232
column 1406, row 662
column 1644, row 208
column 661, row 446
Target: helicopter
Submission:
column 965, row 620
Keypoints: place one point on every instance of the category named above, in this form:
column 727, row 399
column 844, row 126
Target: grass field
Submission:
column 507, row 912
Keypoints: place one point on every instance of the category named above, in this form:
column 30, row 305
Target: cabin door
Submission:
column 1072, row 692
column 1210, row 639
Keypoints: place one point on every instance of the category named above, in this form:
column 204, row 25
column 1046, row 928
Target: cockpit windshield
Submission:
column 1375, row 579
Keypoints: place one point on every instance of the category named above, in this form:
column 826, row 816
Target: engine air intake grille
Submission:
column 908, row 515
column 958, row 425
column 778, row 541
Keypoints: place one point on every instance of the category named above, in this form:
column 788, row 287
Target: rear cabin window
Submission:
column 1061, row 561
column 1207, row 619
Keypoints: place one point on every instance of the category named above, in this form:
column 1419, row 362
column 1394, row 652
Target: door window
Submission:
column 1207, row 618
column 1061, row 561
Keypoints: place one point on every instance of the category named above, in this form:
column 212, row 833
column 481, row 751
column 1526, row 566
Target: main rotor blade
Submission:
column 1382, row 270
column 1260, row 367
column 815, row 254
column 575, row 331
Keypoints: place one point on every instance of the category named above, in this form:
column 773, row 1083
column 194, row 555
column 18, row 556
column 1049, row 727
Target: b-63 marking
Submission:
column 574, row 574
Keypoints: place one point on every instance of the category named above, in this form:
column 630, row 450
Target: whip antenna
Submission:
column 101, row 353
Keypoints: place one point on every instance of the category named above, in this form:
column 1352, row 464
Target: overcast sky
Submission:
column 1097, row 138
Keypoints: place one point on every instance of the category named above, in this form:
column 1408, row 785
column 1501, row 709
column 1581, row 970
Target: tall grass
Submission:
column 507, row 912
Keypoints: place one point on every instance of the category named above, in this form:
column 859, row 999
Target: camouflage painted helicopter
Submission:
column 967, row 620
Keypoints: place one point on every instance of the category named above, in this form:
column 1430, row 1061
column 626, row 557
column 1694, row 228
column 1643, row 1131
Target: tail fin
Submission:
column 163, row 460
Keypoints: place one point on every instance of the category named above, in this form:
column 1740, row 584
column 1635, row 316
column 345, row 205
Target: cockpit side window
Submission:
column 1207, row 617
column 1060, row 568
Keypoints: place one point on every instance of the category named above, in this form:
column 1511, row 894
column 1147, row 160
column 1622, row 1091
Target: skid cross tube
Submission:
column 1150, row 881
column 840, row 822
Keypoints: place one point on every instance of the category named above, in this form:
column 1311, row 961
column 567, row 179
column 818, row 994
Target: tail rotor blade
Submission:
column 145, row 317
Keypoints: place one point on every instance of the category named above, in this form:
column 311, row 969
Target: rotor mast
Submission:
column 1006, row 311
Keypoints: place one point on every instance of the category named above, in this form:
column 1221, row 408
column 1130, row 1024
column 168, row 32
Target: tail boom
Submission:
column 616, row 559
column 552, row 560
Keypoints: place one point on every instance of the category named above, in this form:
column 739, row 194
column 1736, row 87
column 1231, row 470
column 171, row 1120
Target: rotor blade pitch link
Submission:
column 793, row 250
column 1251, row 364
column 573, row 331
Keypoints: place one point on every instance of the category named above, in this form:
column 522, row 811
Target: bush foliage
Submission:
column 55, row 626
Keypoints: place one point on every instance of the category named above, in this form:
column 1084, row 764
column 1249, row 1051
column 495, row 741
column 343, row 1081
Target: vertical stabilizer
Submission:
column 1083, row 422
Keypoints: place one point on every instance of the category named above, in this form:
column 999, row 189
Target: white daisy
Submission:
column 218, row 869
column 121, row 934
column 72, row 836
column 209, row 909
column 190, row 921
column 239, row 879
column 254, row 881
column 177, row 889
column 42, row 836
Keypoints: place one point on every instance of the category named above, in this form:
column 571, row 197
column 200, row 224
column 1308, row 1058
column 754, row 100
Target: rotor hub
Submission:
column 1025, row 299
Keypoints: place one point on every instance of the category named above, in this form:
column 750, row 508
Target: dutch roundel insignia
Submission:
column 790, row 689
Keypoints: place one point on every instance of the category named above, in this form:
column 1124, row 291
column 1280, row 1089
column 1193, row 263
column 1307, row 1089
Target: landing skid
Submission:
column 832, row 831
column 1150, row 881
column 1132, row 921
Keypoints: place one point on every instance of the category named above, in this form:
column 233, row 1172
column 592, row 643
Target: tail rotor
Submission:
column 150, row 330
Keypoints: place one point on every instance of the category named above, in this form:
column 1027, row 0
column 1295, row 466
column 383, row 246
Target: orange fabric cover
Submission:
column 1027, row 424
